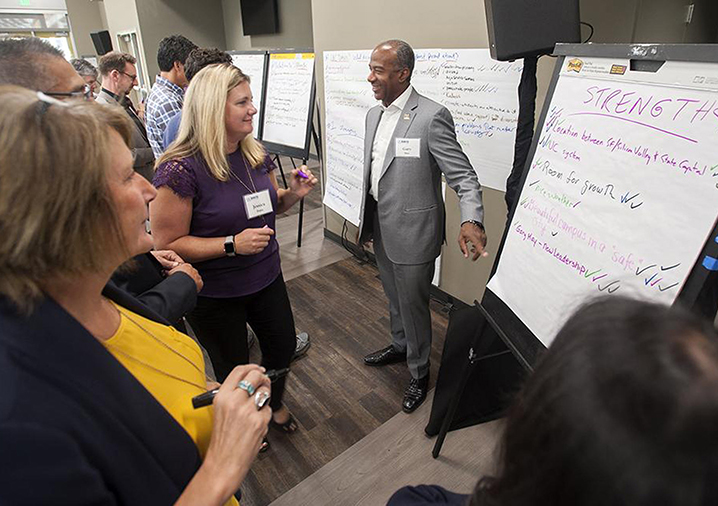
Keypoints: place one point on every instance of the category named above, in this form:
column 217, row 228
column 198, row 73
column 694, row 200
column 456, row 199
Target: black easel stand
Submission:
column 278, row 161
column 301, row 208
column 501, row 376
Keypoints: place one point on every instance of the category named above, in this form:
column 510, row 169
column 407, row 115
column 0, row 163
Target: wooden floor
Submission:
column 336, row 399
column 316, row 251
column 397, row 454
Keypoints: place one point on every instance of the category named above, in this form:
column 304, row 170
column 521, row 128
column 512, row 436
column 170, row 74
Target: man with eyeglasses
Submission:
column 160, row 280
column 37, row 65
column 88, row 72
column 119, row 76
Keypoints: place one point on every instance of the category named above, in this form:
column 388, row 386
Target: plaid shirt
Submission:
column 165, row 101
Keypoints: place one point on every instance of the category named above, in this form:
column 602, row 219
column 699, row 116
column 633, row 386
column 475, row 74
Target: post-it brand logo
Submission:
column 618, row 69
column 574, row 65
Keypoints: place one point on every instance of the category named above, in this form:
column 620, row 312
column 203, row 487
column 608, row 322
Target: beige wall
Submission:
column 199, row 21
column 121, row 17
column 236, row 40
column 295, row 27
column 86, row 16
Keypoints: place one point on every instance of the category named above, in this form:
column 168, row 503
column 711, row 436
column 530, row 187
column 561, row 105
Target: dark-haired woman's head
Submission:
column 622, row 409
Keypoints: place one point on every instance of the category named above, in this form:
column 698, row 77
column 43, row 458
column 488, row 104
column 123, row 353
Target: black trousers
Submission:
column 221, row 327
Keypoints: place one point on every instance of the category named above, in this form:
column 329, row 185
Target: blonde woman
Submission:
column 96, row 388
column 216, row 207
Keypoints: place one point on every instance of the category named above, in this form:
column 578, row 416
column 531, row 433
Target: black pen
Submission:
column 206, row 398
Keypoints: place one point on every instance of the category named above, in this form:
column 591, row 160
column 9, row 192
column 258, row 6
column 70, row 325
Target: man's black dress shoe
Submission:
column 415, row 394
column 385, row 356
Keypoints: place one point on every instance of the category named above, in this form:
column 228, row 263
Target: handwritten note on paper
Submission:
column 348, row 97
column 480, row 93
column 289, row 90
column 252, row 65
column 620, row 195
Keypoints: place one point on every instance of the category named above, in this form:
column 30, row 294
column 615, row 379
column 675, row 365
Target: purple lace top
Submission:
column 218, row 211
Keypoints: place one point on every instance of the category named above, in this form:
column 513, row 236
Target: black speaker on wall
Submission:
column 259, row 16
column 520, row 28
column 102, row 42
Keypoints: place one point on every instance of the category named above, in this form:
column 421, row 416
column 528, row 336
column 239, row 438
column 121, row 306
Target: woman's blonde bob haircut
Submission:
column 57, row 217
column 203, row 129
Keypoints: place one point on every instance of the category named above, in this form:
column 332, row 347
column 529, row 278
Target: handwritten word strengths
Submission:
column 629, row 103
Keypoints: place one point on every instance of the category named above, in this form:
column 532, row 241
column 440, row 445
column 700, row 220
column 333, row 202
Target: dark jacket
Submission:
column 75, row 426
column 170, row 297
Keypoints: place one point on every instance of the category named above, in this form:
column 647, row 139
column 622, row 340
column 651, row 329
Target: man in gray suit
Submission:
column 410, row 141
column 119, row 75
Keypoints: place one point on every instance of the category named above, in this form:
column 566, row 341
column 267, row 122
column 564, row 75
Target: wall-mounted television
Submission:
column 260, row 17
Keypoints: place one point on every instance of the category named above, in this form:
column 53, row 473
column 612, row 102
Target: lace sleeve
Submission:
column 178, row 177
column 268, row 165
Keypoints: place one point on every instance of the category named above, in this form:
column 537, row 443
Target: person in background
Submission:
column 198, row 59
column 35, row 64
column 88, row 72
column 167, row 95
column 119, row 76
column 169, row 285
column 95, row 403
column 621, row 409
column 410, row 142
column 216, row 206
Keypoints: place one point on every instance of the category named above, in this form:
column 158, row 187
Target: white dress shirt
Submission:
column 384, row 132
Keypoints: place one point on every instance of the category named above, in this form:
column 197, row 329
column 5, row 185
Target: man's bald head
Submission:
column 402, row 51
column 35, row 64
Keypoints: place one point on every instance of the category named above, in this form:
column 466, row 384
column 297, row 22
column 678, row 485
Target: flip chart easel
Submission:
column 254, row 64
column 289, row 103
column 619, row 194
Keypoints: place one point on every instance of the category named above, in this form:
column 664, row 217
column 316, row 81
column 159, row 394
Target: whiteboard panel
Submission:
column 290, row 85
column 621, row 193
column 480, row 93
column 252, row 65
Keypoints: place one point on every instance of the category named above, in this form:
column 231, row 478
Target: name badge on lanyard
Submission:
column 258, row 204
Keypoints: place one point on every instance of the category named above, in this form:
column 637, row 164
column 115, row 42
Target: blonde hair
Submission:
column 203, row 130
column 56, row 214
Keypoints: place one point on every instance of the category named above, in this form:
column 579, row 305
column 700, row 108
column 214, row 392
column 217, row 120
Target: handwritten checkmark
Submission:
column 524, row 201
column 663, row 289
column 577, row 203
column 634, row 206
column 600, row 288
column 599, row 277
column 669, row 268
column 656, row 281
column 554, row 234
column 648, row 280
column 534, row 182
column 588, row 275
column 639, row 271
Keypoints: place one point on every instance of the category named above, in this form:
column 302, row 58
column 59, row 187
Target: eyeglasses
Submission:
column 85, row 93
column 133, row 77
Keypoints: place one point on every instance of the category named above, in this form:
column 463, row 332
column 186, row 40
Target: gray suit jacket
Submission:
column 410, row 204
column 141, row 150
